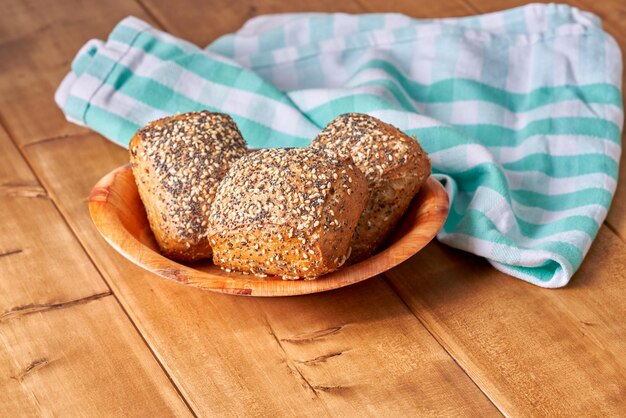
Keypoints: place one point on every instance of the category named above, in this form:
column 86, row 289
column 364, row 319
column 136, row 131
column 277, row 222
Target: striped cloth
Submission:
column 520, row 110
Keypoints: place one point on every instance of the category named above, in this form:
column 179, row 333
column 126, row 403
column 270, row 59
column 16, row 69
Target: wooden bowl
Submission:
column 119, row 215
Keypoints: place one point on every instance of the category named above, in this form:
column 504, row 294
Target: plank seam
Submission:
column 441, row 344
column 151, row 14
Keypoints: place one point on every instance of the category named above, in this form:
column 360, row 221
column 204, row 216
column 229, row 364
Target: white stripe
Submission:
column 514, row 120
column 446, row 160
column 469, row 62
column 565, row 62
column 404, row 119
column 150, row 66
column 530, row 214
column 494, row 23
column 541, row 183
column 63, row 91
column 117, row 103
column 265, row 23
column 543, row 217
column 559, row 279
column 527, row 258
column 396, row 20
column 495, row 207
column 421, row 65
column 243, row 49
column 297, row 32
column 558, row 145
column 344, row 25
column 84, row 87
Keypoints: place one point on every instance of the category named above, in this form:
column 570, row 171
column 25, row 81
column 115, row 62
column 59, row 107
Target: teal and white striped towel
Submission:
column 520, row 110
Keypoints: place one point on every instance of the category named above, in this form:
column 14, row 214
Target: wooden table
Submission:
column 84, row 332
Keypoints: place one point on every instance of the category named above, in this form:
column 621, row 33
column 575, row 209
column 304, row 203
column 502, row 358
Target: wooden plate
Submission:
column 119, row 215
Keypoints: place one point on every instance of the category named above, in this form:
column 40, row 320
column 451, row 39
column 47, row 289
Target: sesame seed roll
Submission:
column 286, row 212
column 178, row 162
column 394, row 165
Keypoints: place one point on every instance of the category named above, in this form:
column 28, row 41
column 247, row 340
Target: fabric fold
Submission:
column 520, row 110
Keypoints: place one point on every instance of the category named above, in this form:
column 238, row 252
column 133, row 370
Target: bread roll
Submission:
column 394, row 165
column 286, row 212
column 178, row 162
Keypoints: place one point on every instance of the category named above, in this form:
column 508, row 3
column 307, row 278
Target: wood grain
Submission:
column 30, row 231
column 355, row 350
column 535, row 352
column 188, row 20
column 84, row 359
column 217, row 369
column 227, row 355
column 120, row 216
column 38, row 41
column 64, row 339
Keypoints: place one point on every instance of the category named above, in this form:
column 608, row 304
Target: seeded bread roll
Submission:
column 178, row 162
column 286, row 212
column 394, row 165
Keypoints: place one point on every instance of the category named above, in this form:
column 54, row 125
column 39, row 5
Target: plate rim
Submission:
column 104, row 216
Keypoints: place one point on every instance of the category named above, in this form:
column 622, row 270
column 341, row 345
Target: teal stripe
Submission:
column 124, row 34
column 224, row 45
column 75, row 108
column 309, row 74
column 82, row 61
column 123, row 79
column 494, row 135
column 110, row 125
column 576, row 223
column 545, row 272
column 449, row 90
column 458, row 89
column 148, row 42
column 490, row 134
column 271, row 40
column 321, row 28
column 563, row 201
column 115, row 126
column 197, row 62
column 565, row 166
column 370, row 22
column 161, row 97
column 477, row 224
column 580, row 223
column 482, row 175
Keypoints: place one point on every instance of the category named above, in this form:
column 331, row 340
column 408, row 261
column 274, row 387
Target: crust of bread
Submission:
column 178, row 215
column 395, row 166
column 288, row 213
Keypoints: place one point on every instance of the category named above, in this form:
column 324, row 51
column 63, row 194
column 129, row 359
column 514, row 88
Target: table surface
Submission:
column 84, row 332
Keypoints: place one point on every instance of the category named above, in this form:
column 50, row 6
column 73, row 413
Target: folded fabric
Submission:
column 520, row 110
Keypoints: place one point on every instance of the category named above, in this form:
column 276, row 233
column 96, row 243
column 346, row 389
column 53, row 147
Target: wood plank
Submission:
column 219, row 363
column 38, row 40
column 189, row 19
column 36, row 246
column 66, row 346
column 231, row 354
column 83, row 360
column 535, row 352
